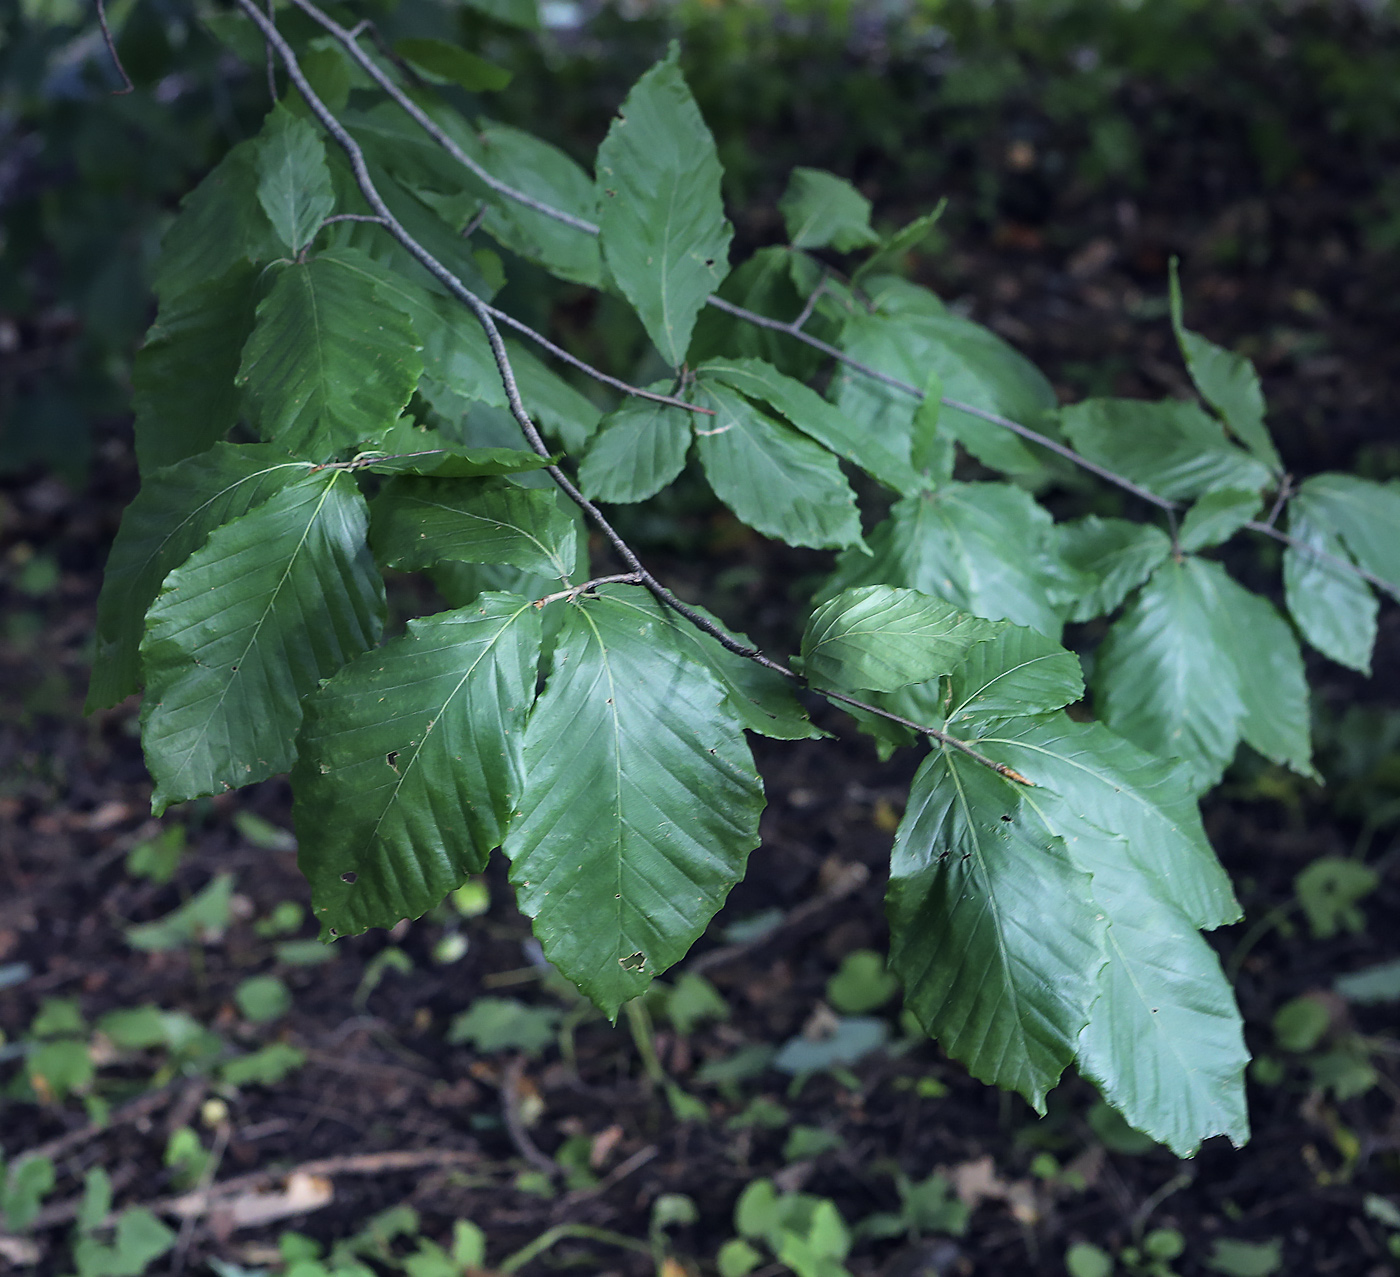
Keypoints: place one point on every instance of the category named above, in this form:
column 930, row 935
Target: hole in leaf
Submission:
column 349, row 877
column 391, row 758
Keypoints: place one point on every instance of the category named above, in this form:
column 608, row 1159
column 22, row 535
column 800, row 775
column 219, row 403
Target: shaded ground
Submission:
column 380, row 1077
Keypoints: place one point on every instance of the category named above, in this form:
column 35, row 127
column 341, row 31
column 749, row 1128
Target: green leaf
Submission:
column 664, row 234
column 1366, row 515
column 559, row 408
column 862, row 983
column 1170, row 447
column 931, row 451
column 765, row 701
column 777, row 481
column 546, row 173
column 221, row 225
column 204, row 915
column 412, row 449
column 504, row 1024
column 1106, row 558
column 452, row 63
column 641, row 800
column 294, row 184
column 1334, row 608
column 976, row 367
column 1090, row 781
column 1216, row 517
column 330, row 365
column 993, row 928
column 638, row 450
column 182, row 379
column 1013, row 671
column 275, row 601
column 892, row 252
column 394, row 810
column 1164, row 676
column 879, row 638
column 1273, row 684
column 1165, row 1044
column 418, row 522
column 815, row 417
column 980, row 546
column 822, row 210
column 515, row 13
column 169, row 519
column 1227, row 382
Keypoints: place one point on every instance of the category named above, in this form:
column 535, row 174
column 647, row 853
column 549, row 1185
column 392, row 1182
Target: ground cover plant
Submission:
column 950, row 651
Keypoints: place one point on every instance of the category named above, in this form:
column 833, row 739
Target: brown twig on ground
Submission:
column 512, row 1084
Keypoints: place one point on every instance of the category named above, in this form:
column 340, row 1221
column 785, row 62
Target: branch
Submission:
column 1268, row 530
column 112, row 49
column 427, row 124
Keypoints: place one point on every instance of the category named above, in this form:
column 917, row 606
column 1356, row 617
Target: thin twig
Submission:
column 621, row 578
column 811, row 305
column 559, row 352
column 426, row 123
column 1285, row 490
column 942, row 738
column 620, row 1172
column 512, row 1086
column 1390, row 587
column 112, row 49
column 353, row 217
column 271, row 61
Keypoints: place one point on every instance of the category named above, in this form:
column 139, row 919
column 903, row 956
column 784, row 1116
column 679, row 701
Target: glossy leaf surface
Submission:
column 664, row 234
column 393, row 810
column 641, row 801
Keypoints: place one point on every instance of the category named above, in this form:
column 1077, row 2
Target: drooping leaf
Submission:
column 1165, row 1043
column 993, row 928
column 641, row 801
column 1106, row 559
column 1090, row 781
column 777, row 481
column 1366, row 515
column 638, row 450
column 221, row 225
column 1273, row 685
column 411, row 449
column 980, row 546
column 1216, row 517
column 169, row 519
column 182, row 379
column 451, row 62
column 418, row 522
column 976, row 367
column 879, row 638
column 1227, row 382
column 275, row 601
column 1164, row 677
column 822, row 210
column 816, row 418
column 393, row 810
column 1170, row 447
column 294, row 184
column 330, row 364
column 664, row 234
column 1012, row 671
column 1334, row 608
column 546, row 173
